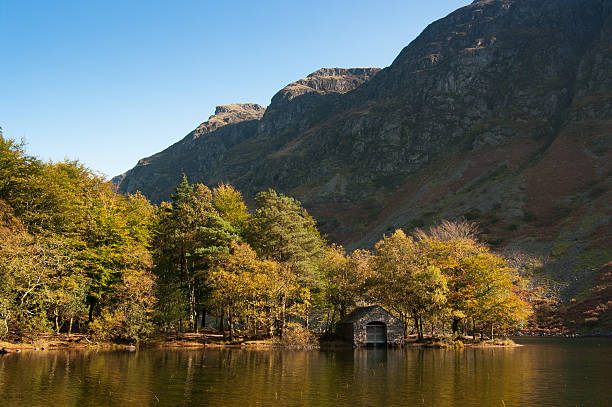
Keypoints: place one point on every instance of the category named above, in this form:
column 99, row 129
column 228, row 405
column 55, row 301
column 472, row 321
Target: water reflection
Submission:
column 544, row 372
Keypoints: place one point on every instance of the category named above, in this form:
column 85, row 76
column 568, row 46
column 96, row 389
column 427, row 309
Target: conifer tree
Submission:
column 283, row 231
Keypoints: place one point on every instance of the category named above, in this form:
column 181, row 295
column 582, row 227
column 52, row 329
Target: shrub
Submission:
column 131, row 325
column 444, row 342
column 503, row 342
column 107, row 326
column 438, row 344
column 298, row 337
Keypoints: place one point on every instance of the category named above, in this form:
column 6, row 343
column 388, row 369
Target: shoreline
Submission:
column 214, row 339
column 217, row 341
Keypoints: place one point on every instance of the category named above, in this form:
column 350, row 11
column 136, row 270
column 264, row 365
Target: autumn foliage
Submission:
column 77, row 256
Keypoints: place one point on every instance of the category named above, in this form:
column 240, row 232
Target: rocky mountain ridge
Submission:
column 500, row 112
column 156, row 176
column 229, row 114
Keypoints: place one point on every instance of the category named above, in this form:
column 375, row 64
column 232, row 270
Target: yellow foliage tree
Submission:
column 481, row 284
column 406, row 281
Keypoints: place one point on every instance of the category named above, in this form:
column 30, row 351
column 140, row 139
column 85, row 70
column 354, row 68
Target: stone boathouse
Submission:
column 371, row 326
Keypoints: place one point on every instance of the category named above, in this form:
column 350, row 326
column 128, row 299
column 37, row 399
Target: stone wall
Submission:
column 395, row 330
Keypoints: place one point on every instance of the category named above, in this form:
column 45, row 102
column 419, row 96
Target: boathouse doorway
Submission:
column 376, row 333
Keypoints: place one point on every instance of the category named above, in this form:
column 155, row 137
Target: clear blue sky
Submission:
column 109, row 82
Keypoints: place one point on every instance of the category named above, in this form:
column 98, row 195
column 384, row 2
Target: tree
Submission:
column 192, row 238
column 283, row 231
column 17, row 169
column 72, row 240
column 234, row 284
column 229, row 204
column 73, row 250
column 480, row 282
column 23, row 275
column 418, row 287
column 345, row 279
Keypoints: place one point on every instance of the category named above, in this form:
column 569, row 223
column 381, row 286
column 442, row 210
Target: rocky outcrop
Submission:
column 324, row 81
column 229, row 114
column 501, row 113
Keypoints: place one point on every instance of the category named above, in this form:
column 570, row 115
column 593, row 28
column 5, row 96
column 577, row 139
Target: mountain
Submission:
column 197, row 153
column 500, row 112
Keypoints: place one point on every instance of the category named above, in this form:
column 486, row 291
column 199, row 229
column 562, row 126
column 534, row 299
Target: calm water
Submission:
column 544, row 372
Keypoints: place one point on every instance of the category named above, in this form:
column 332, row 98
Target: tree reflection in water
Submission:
column 544, row 372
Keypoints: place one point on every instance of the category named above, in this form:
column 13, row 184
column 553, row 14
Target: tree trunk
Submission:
column 56, row 314
column 421, row 327
column 70, row 327
column 491, row 330
column 330, row 326
column 191, row 306
column 231, row 323
column 342, row 311
column 455, row 325
column 284, row 316
column 203, row 318
column 473, row 329
column 6, row 328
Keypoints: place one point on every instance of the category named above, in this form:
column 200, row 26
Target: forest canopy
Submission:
column 75, row 255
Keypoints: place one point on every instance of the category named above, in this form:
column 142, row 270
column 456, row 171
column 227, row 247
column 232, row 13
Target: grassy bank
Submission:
column 218, row 340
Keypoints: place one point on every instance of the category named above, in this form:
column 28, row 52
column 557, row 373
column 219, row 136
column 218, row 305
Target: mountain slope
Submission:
column 501, row 112
column 198, row 152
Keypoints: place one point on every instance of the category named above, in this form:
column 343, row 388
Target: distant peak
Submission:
column 326, row 80
column 229, row 114
column 491, row 1
column 239, row 107
column 343, row 72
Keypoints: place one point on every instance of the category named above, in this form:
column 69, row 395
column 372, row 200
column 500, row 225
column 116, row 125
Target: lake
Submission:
column 543, row 372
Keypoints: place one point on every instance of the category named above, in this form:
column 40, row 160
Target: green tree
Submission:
column 69, row 240
column 17, row 170
column 23, row 275
column 283, row 231
column 192, row 238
